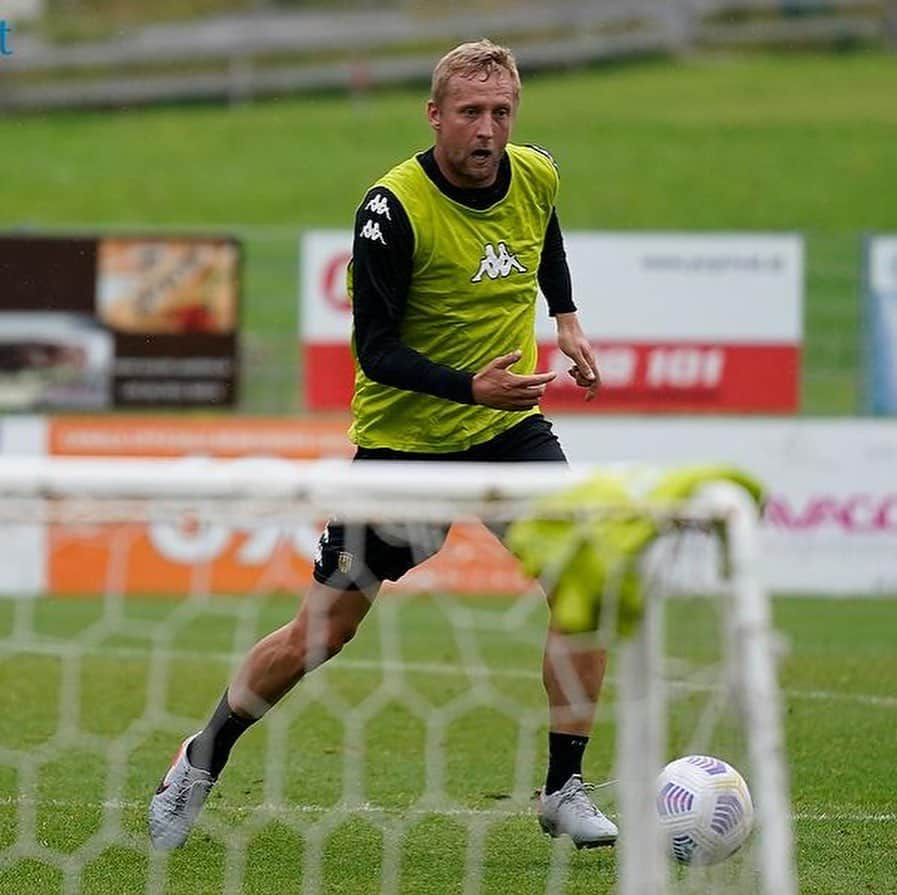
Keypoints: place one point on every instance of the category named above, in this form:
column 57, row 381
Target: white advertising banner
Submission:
column 680, row 322
column 23, row 435
column 830, row 524
column 23, row 548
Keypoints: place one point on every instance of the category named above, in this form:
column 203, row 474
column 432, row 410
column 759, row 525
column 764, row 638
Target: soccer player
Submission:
column 449, row 248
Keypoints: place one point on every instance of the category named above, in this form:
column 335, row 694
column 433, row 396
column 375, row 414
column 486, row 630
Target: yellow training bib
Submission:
column 472, row 298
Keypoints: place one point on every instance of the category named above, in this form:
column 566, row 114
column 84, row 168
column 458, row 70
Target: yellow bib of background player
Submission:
column 472, row 298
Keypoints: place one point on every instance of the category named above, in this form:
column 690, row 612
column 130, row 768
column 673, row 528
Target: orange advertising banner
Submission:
column 191, row 556
column 102, row 436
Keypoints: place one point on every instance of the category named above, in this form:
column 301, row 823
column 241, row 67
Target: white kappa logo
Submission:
column 371, row 230
column 497, row 264
column 379, row 205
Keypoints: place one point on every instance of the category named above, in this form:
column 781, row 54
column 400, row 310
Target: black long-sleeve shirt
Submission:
column 381, row 278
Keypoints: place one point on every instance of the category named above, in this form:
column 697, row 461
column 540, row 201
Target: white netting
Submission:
column 408, row 763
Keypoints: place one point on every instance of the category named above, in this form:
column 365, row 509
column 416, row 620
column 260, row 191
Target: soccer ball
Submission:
column 705, row 809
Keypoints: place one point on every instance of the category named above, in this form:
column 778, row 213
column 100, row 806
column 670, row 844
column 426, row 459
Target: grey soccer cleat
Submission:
column 178, row 801
column 570, row 811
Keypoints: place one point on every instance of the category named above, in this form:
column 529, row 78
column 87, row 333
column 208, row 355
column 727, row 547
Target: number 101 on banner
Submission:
column 685, row 367
column 673, row 367
column 675, row 377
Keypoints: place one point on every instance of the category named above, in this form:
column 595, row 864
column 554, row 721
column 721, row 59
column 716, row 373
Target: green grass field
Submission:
column 326, row 794
column 756, row 142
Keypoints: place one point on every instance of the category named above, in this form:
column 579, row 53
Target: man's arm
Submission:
column 382, row 254
column 557, row 286
column 554, row 272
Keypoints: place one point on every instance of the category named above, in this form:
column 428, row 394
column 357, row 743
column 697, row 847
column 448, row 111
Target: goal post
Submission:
column 666, row 691
column 750, row 665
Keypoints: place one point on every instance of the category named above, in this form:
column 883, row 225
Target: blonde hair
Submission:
column 479, row 58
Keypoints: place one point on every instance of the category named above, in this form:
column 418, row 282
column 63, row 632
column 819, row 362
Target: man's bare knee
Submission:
column 332, row 636
column 326, row 622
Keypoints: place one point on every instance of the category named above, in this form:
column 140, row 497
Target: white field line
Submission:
column 283, row 811
column 451, row 670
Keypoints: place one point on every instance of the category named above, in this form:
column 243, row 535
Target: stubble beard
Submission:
column 478, row 176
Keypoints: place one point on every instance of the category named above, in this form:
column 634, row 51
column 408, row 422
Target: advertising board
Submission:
column 679, row 322
column 91, row 323
column 23, row 544
column 829, row 523
column 881, row 330
column 185, row 556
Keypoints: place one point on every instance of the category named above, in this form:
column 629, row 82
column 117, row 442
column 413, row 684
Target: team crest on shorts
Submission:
column 344, row 561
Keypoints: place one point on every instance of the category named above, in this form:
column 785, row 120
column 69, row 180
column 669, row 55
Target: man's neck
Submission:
column 478, row 198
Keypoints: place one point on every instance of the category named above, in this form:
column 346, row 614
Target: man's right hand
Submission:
column 496, row 386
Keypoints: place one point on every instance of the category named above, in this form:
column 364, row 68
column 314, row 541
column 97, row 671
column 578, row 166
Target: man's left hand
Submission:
column 573, row 342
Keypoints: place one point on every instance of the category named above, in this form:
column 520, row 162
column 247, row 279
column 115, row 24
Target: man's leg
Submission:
column 327, row 619
column 572, row 672
column 352, row 562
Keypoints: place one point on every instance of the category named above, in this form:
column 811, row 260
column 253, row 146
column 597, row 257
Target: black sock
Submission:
column 211, row 747
column 565, row 752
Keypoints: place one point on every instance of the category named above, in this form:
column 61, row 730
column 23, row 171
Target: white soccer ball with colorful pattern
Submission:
column 705, row 809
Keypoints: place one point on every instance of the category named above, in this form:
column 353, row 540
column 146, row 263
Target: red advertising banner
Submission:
column 649, row 378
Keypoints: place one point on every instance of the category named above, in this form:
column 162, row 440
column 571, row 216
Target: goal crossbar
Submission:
column 310, row 488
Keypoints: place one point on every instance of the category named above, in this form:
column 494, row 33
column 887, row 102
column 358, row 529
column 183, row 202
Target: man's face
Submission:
column 472, row 126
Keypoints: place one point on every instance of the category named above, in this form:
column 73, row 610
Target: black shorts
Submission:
column 355, row 557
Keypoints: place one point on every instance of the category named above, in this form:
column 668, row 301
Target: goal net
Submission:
column 408, row 763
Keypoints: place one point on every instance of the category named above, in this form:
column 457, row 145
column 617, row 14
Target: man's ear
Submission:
column 433, row 115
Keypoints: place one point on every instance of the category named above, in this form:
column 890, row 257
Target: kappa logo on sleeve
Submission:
column 495, row 264
column 371, row 230
column 379, row 205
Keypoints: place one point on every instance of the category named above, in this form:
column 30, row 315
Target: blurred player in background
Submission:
column 448, row 251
